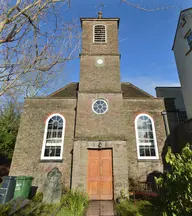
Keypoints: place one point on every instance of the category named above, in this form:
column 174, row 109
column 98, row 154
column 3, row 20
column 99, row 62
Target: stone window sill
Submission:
column 188, row 52
column 51, row 160
column 149, row 160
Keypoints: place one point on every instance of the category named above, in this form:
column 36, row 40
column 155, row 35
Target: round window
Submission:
column 100, row 106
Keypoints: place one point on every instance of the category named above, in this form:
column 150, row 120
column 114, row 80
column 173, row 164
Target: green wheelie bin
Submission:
column 23, row 186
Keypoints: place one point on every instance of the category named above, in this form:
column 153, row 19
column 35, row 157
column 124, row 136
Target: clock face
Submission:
column 99, row 61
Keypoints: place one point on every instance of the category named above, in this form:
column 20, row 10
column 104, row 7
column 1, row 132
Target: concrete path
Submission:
column 101, row 208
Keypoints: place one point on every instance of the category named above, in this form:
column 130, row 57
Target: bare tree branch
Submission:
column 141, row 7
column 36, row 42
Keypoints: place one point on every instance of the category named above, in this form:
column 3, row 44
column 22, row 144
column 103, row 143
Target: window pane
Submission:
column 50, row 125
column 59, row 134
column 142, row 151
column 52, row 151
column 145, row 118
column 189, row 38
column 55, row 125
column 152, row 151
column 54, row 117
column 190, row 44
column 141, row 134
column 48, row 134
column 50, row 121
column 151, row 135
column 46, row 154
column 58, row 151
column 147, row 151
column 152, row 142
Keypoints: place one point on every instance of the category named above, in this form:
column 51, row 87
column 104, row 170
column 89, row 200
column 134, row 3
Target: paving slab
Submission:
column 101, row 208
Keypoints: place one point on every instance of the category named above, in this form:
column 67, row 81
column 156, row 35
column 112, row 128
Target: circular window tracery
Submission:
column 100, row 106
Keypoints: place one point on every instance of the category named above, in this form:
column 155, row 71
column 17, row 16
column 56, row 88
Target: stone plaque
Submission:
column 53, row 187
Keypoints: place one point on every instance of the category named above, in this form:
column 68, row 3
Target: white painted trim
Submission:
column 94, row 33
column 154, row 135
column 44, row 138
column 102, row 100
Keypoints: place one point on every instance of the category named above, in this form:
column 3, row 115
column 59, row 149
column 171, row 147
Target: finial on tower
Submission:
column 100, row 14
column 99, row 9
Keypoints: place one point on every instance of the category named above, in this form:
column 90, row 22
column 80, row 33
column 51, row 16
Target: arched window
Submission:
column 53, row 137
column 145, row 137
column 99, row 34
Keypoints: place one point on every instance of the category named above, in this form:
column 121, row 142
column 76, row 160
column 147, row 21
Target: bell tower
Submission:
column 100, row 101
column 100, row 58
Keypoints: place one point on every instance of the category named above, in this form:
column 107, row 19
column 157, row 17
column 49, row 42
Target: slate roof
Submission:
column 131, row 91
column 68, row 91
column 128, row 89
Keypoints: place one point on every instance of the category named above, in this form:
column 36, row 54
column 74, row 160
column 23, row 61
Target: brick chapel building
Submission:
column 99, row 132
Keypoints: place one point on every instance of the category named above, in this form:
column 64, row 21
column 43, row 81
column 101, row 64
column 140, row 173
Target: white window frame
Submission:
column 101, row 100
column 45, row 138
column 94, row 34
column 154, row 137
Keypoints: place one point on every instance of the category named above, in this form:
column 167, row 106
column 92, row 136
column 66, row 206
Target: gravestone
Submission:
column 53, row 187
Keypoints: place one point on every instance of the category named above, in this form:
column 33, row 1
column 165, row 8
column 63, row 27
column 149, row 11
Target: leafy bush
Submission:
column 176, row 185
column 73, row 203
column 9, row 124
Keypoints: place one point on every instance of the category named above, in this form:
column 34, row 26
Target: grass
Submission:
column 139, row 208
column 73, row 203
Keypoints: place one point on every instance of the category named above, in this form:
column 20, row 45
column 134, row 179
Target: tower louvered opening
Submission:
column 100, row 34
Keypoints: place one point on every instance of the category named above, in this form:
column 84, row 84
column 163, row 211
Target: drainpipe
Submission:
column 165, row 120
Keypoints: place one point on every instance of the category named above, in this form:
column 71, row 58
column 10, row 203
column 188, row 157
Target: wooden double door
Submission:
column 99, row 174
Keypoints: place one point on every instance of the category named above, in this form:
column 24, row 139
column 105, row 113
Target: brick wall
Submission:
column 26, row 158
column 92, row 126
column 139, row 169
column 100, row 79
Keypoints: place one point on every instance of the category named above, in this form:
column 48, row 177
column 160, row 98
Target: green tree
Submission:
column 9, row 124
column 176, row 184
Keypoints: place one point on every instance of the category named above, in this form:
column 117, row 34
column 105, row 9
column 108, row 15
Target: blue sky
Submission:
column 145, row 41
